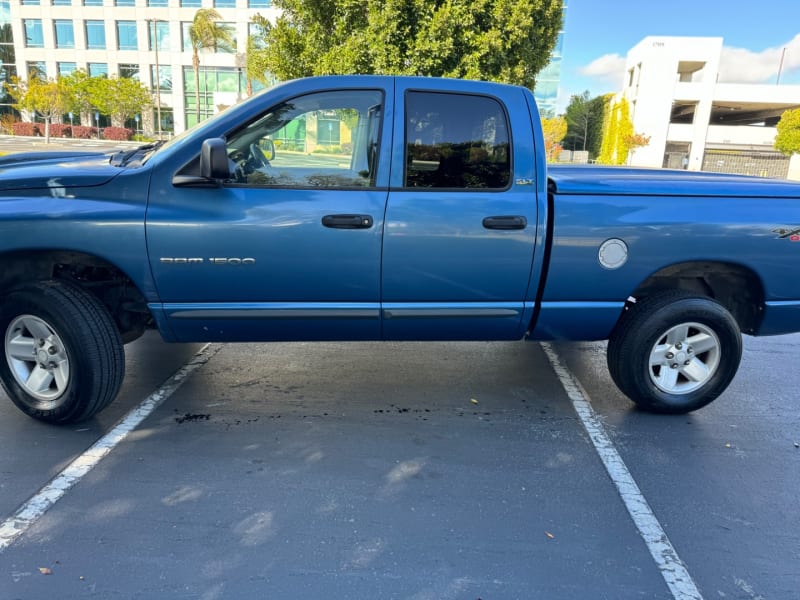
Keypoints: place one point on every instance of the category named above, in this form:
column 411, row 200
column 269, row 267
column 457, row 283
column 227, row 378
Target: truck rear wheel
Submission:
column 63, row 359
column 674, row 352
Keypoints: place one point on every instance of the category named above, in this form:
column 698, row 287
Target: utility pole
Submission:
column 780, row 67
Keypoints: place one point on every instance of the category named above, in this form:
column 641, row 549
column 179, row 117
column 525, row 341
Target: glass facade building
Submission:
column 549, row 78
column 147, row 40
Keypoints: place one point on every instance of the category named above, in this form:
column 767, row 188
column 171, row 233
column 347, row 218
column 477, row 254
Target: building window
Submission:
column 186, row 39
column 158, row 30
column 157, row 3
column 456, row 141
column 35, row 69
column 95, row 35
column 164, row 79
column 66, row 68
column 126, row 35
column 129, row 71
column 224, row 3
column 124, row 3
column 191, row 3
column 259, row 3
column 34, row 38
column 65, row 34
column 30, row 2
column 97, row 69
column 93, row 2
column 62, row 2
column 221, row 82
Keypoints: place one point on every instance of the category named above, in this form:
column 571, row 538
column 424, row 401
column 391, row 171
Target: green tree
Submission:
column 257, row 68
column 119, row 97
column 47, row 98
column 497, row 40
column 80, row 93
column 205, row 33
column 584, row 117
column 787, row 140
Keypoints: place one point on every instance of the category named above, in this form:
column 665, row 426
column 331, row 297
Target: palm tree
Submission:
column 205, row 32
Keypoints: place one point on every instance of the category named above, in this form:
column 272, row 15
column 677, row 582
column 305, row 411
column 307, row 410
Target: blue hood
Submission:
column 43, row 170
column 625, row 181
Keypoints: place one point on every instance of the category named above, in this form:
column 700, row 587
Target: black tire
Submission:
column 87, row 361
column 667, row 373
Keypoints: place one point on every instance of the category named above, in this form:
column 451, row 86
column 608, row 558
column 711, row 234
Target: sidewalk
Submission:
column 19, row 143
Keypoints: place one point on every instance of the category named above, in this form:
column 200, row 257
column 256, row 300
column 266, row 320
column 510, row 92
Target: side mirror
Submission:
column 214, row 163
column 268, row 148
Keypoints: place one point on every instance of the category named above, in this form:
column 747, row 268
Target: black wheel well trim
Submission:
column 735, row 286
column 105, row 280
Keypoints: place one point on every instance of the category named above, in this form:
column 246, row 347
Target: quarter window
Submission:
column 456, row 141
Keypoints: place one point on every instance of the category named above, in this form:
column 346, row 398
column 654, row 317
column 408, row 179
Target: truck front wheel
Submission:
column 674, row 352
column 63, row 359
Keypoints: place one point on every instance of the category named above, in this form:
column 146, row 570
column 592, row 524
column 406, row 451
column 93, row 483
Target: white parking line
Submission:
column 669, row 563
column 41, row 502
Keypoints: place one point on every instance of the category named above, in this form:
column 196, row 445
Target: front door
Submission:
column 290, row 247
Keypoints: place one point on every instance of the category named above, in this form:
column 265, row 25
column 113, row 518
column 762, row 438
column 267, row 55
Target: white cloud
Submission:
column 739, row 65
column 608, row 69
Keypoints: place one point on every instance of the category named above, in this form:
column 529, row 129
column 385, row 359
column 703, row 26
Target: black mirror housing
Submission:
column 214, row 163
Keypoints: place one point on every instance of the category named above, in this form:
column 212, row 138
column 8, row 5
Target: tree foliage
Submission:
column 619, row 138
column 787, row 140
column 554, row 131
column 584, row 116
column 120, row 97
column 498, row 40
column 48, row 98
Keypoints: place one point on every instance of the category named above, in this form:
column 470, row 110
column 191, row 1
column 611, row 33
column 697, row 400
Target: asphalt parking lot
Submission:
column 409, row 471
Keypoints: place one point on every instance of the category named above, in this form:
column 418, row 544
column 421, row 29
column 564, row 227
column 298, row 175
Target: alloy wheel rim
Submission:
column 684, row 358
column 38, row 360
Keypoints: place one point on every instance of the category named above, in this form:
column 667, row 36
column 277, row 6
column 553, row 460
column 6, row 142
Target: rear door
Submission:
column 461, row 219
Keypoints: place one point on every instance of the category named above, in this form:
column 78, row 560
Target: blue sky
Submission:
column 599, row 33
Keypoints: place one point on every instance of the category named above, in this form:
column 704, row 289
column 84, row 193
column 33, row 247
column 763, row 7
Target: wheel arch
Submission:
column 115, row 289
column 738, row 288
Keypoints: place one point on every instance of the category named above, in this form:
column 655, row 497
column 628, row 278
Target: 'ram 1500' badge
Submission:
column 213, row 260
column 790, row 233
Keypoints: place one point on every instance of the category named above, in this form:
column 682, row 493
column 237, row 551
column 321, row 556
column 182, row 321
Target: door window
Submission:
column 322, row 140
column 456, row 141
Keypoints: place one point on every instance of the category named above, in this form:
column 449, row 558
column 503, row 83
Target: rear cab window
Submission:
column 456, row 141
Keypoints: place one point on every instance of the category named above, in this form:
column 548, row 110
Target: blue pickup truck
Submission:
column 383, row 208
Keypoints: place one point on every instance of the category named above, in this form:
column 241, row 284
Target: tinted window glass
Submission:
column 456, row 141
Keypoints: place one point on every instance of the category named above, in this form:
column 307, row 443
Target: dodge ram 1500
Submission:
column 383, row 208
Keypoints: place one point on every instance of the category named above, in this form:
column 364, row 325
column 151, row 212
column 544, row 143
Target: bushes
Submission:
column 56, row 130
column 83, row 132
column 23, row 128
column 61, row 130
column 37, row 129
column 120, row 134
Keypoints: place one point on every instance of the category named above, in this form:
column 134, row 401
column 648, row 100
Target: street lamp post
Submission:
column 155, row 23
